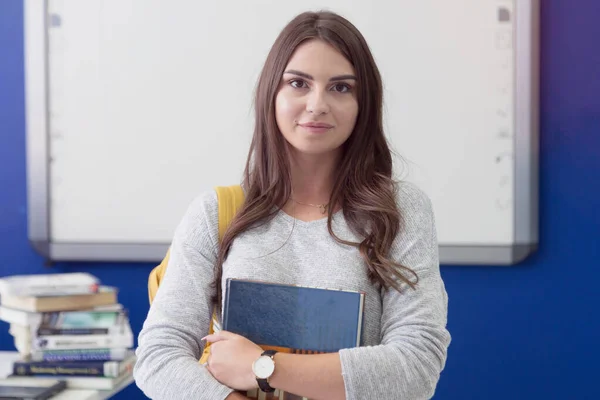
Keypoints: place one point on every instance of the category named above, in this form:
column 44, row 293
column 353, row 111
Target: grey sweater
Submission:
column 404, row 333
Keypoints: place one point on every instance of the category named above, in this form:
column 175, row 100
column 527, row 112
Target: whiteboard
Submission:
column 134, row 107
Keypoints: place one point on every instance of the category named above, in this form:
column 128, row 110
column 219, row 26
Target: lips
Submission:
column 316, row 125
column 316, row 128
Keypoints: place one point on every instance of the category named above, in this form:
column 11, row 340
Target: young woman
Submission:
column 321, row 210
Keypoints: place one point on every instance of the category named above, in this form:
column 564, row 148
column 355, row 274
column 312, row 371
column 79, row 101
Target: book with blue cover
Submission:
column 296, row 318
column 109, row 369
column 41, row 389
column 293, row 319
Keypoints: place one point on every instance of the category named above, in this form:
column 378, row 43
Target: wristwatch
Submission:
column 263, row 368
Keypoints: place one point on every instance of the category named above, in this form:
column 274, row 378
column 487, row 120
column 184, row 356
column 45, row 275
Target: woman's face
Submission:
column 316, row 105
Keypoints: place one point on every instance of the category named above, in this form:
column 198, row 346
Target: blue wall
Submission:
column 526, row 332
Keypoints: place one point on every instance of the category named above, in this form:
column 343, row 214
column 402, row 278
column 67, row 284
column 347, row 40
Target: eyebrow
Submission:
column 309, row 77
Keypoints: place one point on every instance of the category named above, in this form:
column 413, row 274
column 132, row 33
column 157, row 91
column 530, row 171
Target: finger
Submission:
column 221, row 335
column 210, row 366
column 215, row 337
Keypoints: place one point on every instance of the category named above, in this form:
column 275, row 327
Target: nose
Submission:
column 316, row 103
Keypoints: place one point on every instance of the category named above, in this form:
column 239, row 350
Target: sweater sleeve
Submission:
column 414, row 339
column 169, row 344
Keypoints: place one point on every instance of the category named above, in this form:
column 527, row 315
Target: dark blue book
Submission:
column 40, row 390
column 294, row 319
column 108, row 369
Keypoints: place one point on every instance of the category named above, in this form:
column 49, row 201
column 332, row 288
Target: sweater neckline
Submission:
column 298, row 222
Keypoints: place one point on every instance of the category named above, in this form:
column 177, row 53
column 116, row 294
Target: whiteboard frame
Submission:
column 526, row 155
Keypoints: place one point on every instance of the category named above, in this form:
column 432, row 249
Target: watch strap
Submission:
column 263, row 384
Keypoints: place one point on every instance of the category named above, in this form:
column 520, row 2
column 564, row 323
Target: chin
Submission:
column 311, row 149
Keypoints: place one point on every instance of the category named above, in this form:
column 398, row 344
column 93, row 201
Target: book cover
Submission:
column 293, row 319
column 301, row 319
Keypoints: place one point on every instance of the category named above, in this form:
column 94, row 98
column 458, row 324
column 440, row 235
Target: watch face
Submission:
column 263, row 367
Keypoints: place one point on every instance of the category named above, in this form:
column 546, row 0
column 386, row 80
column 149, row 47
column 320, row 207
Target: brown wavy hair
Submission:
column 364, row 187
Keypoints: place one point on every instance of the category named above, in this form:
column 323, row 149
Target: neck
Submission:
column 313, row 177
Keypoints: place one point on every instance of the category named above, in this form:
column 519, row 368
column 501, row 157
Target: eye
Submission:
column 341, row 88
column 297, row 83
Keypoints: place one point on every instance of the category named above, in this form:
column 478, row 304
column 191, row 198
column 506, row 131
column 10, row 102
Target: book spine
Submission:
column 108, row 369
column 77, row 342
column 72, row 331
column 225, row 319
column 55, row 290
column 80, row 355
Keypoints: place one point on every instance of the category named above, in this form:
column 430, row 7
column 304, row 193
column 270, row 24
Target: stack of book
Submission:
column 68, row 327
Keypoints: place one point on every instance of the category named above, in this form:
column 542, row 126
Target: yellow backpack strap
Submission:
column 230, row 199
column 156, row 276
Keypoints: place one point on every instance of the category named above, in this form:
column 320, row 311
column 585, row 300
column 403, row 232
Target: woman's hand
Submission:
column 231, row 358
